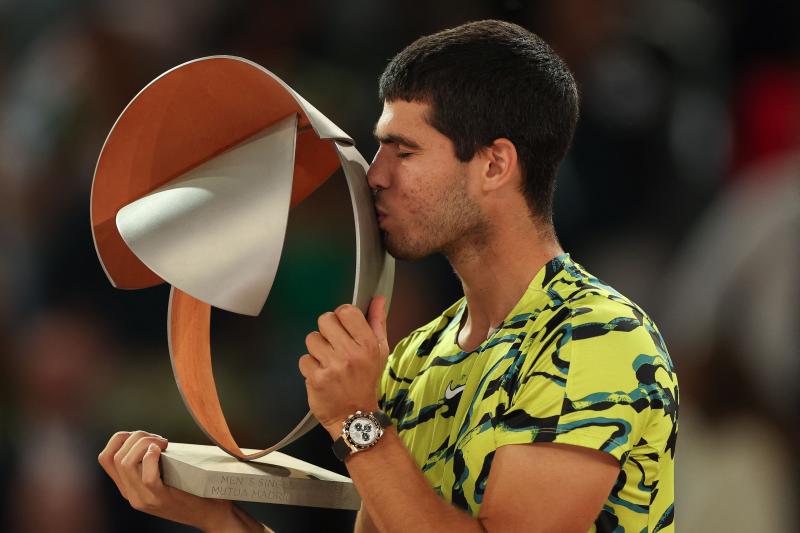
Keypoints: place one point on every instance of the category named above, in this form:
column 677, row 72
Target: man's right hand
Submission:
column 131, row 460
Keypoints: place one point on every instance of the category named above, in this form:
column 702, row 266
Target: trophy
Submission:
column 193, row 188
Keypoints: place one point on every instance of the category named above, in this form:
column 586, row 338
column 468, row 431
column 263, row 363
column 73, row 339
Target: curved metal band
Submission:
column 189, row 319
column 184, row 118
column 189, row 324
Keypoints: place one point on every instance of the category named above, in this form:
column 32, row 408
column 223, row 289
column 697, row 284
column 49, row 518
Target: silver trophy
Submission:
column 193, row 188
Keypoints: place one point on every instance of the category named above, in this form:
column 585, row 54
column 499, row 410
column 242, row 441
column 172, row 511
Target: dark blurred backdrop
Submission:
column 682, row 190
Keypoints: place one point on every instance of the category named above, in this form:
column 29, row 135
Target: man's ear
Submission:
column 501, row 165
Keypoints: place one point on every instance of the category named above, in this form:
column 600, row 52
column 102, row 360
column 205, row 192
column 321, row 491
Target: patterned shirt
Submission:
column 575, row 362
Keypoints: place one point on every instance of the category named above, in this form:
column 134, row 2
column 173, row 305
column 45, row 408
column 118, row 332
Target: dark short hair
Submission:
column 490, row 79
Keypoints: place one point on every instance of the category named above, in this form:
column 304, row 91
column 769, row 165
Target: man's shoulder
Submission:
column 577, row 310
column 592, row 359
column 577, row 288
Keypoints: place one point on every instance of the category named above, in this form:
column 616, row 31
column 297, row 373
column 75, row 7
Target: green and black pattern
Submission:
column 574, row 362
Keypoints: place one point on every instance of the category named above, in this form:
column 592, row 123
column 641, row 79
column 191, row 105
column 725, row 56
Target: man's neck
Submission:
column 495, row 275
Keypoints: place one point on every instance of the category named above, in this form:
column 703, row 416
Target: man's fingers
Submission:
column 355, row 324
column 129, row 466
column 106, row 457
column 137, row 451
column 130, row 469
column 333, row 327
column 319, row 348
column 376, row 317
column 309, row 367
column 113, row 458
column 131, row 441
column 151, row 475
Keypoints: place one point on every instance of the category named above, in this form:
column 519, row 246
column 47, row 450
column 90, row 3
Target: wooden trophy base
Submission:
column 209, row 472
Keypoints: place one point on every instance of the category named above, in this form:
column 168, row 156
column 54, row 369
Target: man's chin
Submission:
column 402, row 251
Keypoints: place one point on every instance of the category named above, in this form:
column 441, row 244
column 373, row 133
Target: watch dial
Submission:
column 362, row 431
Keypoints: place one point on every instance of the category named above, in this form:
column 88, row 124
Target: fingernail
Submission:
column 152, row 447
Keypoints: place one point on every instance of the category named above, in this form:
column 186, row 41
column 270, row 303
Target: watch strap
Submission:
column 382, row 418
column 340, row 449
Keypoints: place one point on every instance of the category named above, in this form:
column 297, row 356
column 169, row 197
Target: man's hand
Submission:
column 131, row 460
column 344, row 363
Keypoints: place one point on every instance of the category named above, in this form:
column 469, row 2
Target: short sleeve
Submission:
column 594, row 385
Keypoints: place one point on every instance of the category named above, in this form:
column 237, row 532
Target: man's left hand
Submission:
column 344, row 363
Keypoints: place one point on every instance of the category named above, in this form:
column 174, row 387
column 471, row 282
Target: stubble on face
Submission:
column 446, row 222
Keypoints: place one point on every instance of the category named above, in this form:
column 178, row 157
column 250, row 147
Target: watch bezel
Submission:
column 354, row 446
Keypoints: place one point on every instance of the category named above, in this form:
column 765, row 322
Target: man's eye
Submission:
column 403, row 155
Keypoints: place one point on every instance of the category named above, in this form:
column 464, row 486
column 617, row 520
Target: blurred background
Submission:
column 682, row 190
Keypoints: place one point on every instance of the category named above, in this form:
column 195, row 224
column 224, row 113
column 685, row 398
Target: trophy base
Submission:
column 209, row 472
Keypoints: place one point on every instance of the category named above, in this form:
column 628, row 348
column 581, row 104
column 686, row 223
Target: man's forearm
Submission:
column 238, row 521
column 397, row 495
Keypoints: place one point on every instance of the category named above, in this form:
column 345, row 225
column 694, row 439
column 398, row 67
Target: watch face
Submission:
column 363, row 431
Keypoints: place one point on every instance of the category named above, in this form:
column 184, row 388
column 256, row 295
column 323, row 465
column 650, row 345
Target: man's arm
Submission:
column 547, row 487
column 364, row 522
column 531, row 487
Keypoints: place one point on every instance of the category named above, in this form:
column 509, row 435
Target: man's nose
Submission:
column 378, row 175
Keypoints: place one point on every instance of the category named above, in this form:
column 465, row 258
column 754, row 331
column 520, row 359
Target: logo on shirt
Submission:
column 450, row 393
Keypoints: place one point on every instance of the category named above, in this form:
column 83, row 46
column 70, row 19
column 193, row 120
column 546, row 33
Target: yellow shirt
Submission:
column 574, row 362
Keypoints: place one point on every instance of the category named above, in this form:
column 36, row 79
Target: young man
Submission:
column 543, row 400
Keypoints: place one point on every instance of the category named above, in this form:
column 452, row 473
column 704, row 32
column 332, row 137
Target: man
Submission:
column 541, row 401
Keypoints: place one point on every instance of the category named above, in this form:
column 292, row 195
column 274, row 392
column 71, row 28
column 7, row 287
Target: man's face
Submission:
column 426, row 196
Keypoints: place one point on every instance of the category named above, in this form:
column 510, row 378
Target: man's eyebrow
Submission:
column 391, row 138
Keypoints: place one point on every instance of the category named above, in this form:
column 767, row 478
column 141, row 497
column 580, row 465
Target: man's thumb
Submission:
column 376, row 317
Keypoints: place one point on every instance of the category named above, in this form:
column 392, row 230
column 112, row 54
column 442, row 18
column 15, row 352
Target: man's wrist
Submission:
column 335, row 430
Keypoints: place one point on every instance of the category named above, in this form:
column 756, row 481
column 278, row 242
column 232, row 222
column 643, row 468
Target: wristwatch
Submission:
column 360, row 431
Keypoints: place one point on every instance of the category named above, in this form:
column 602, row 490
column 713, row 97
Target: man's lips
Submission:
column 381, row 213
